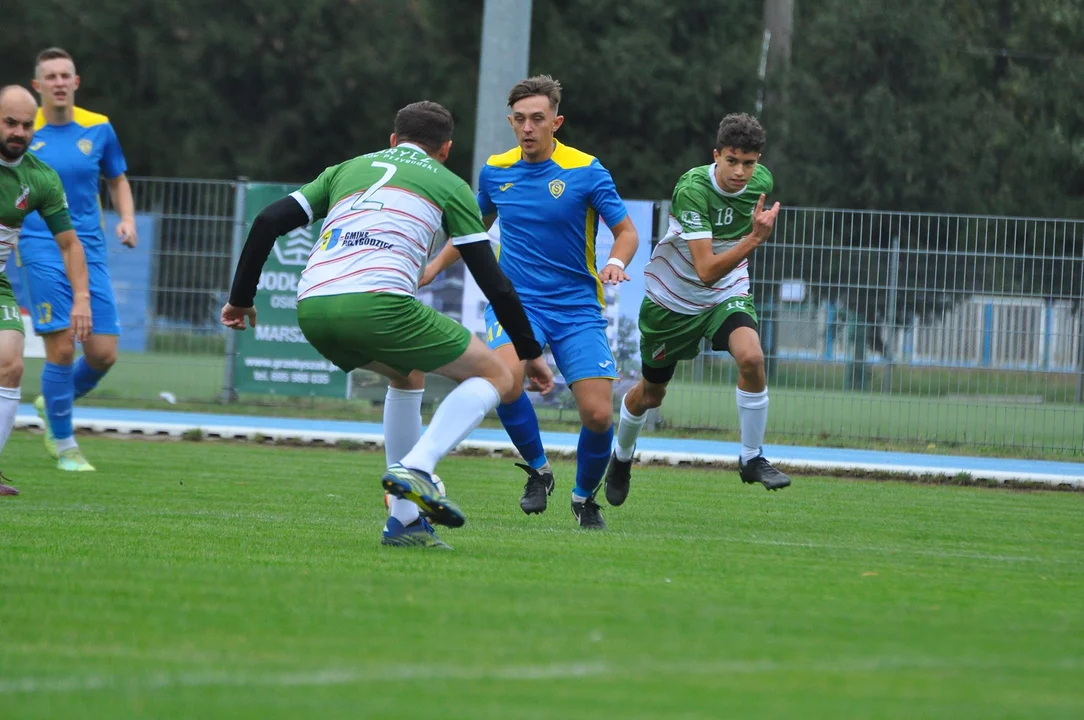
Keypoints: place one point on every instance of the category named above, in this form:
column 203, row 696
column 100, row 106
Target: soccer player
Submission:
column 28, row 185
column 82, row 147
column 385, row 214
column 548, row 198
column 697, row 286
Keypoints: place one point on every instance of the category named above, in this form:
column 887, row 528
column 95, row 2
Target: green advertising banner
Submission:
column 273, row 358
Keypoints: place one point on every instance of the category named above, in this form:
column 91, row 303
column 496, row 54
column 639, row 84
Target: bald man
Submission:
column 28, row 185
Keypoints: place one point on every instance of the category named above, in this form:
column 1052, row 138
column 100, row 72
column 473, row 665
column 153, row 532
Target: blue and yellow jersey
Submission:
column 81, row 152
column 549, row 215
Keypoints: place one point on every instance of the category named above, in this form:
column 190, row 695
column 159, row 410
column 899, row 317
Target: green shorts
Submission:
column 11, row 318
column 667, row 336
column 355, row 329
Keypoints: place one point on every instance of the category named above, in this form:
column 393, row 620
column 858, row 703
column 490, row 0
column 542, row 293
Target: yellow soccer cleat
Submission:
column 72, row 460
column 50, row 439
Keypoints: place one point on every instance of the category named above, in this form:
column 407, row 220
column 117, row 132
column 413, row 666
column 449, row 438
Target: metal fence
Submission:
column 879, row 327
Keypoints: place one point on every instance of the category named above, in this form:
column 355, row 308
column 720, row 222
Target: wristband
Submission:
column 617, row 262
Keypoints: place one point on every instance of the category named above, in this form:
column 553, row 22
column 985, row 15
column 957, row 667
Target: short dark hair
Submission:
column 426, row 123
column 742, row 132
column 52, row 53
column 543, row 85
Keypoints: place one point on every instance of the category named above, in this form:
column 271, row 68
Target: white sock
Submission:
column 9, row 406
column 402, row 422
column 405, row 511
column 455, row 419
column 753, row 417
column 66, row 444
column 628, row 429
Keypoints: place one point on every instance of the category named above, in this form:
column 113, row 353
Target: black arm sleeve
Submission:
column 278, row 218
column 479, row 259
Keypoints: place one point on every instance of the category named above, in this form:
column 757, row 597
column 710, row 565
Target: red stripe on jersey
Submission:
column 419, row 220
column 350, row 275
column 421, row 247
column 425, row 200
column 666, row 287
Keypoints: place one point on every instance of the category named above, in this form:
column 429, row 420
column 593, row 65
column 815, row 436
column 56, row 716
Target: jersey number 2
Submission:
column 363, row 202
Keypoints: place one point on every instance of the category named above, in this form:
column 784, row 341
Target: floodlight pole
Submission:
column 506, row 50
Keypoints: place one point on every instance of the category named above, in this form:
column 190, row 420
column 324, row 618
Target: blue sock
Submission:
column 85, row 378
column 521, row 424
column 592, row 456
column 59, row 394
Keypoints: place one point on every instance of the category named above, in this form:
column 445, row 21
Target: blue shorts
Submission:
column 577, row 340
column 51, row 298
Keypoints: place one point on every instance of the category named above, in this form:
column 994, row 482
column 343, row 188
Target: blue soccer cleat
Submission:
column 417, row 534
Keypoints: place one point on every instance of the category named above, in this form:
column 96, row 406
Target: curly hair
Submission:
column 742, row 132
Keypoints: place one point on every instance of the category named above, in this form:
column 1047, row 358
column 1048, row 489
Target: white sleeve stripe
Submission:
column 296, row 195
column 696, row 236
column 467, row 239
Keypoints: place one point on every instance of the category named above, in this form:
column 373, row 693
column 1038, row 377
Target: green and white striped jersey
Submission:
column 701, row 210
column 385, row 214
column 26, row 185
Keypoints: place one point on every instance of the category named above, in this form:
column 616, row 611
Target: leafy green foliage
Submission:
column 939, row 105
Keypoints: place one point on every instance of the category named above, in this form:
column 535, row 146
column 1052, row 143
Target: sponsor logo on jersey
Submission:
column 606, row 364
column 690, row 217
column 352, row 238
column 504, row 187
column 24, row 195
column 294, row 248
column 38, row 145
column 659, row 353
column 85, row 146
column 557, row 188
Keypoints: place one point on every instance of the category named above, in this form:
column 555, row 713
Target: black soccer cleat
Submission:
column 759, row 470
column 538, row 487
column 618, row 475
column 6, row 489
column 588, row 514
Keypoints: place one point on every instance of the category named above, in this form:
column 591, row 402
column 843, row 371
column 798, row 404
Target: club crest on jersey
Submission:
column 21, row 201
column 690, row 217
column 330, row 239
column 659, row 353
column 85, row 146
column 557, row 188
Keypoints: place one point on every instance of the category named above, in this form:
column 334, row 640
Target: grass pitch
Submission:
column 221, row 580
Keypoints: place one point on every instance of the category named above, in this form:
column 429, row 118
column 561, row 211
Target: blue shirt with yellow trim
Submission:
column 549, row 214
column 81, row 152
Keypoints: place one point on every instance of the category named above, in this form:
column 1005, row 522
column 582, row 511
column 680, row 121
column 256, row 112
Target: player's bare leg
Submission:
column 752, row 399
column 11, row 377
column 55, row 404
column 594, row 399
column 644, row 396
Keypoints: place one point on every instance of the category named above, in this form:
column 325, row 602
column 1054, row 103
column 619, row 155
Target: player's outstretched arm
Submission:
column 447, row 257
column 278, row 218
column 75, row 265
column 712, row 267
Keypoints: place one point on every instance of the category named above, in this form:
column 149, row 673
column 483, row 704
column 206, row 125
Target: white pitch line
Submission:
column 514, row 673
